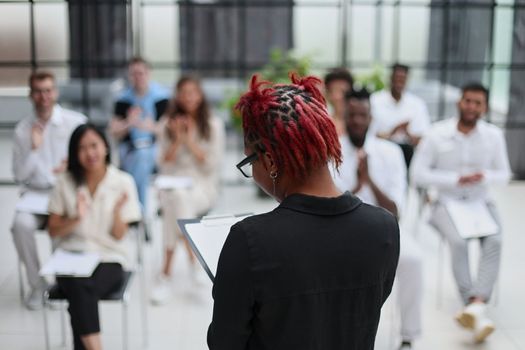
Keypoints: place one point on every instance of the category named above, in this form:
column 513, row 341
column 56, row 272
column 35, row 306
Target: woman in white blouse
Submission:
column 191, row 144
column 90, row 209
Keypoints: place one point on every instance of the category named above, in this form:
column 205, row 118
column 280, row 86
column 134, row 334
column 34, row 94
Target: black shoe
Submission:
column 147, row 236
column 405, row 345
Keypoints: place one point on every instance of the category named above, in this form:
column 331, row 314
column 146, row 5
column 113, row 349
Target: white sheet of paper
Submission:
column 167, row 182
column 65, row 263
column 209, row 236
column 33, row 202
column 472, row 218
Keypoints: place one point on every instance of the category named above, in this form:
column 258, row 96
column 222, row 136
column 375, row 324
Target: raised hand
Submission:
column 61, row 168
column 133, row 116
column 82, row 205
column 37, row 136
column 120, row 203
column 401, row 128
column 362, row 167
column 471, row 179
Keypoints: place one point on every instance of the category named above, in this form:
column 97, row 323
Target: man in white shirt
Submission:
column 39, row 153
column 399, row 116
column 373, row 169
column 461, row 157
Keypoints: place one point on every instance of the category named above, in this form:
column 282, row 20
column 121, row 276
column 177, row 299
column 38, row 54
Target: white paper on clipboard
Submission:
column 75, row 264
column 33, row 202
column 168, row 182
column 207, row 237
column 472, row 218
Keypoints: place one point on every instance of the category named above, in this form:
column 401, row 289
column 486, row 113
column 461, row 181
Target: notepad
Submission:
column 168, row 182
column 33, row 202
column 472, row 218
column 66, row 263
column 207, row 236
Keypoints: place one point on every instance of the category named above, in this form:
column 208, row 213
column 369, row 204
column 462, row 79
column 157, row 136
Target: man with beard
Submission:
column 373, row 169
column 461, row 157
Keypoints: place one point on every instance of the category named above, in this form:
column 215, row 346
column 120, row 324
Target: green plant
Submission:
column 373, row 81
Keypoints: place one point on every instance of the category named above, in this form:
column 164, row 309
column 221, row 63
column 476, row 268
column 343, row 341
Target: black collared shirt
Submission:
column 311, row 274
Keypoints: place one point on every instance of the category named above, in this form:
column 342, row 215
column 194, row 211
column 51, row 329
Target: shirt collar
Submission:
column 57, row 118
column 321, row 205
column 453, row 132
column 392, row 100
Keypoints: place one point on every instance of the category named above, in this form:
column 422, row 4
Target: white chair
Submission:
column 122, row 294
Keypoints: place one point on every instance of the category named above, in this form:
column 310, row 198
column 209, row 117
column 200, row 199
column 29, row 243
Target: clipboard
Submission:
column 34, row 202
column 70, row 264
column 472, row 219
column 207, row 235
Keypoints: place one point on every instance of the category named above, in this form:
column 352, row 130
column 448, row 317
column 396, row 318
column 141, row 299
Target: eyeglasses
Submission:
column 42, row 91
column 245, row 165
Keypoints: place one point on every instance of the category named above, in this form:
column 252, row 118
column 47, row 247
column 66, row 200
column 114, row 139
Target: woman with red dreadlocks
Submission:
column 314, row 272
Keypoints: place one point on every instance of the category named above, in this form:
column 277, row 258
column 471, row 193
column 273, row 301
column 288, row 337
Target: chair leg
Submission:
column 21, row 281
column 143, row 308
column 143, row 293
column 124, row 324
column 393, row 317
column 439, row 288
column 46, row 322
column 63, row 322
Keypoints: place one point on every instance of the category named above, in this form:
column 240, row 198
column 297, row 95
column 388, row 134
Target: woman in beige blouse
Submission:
column 191, row 144
column 90, row 209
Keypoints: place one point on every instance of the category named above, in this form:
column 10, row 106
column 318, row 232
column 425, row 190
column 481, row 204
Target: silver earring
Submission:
column 273, row 176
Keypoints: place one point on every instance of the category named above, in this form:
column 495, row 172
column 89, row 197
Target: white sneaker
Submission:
column 470, row 315
column 161, row 292
column 484, row 327
column 35, row 299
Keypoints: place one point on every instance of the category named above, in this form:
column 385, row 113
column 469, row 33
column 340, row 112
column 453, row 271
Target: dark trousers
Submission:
column 83, row 295
column 408, row 152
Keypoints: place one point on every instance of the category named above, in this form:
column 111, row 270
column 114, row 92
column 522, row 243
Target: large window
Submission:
column 87, row 42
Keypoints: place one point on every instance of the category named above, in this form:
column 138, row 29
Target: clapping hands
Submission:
column 471, row 179
column 82, row 205
column 37, row 135
column 120, row 203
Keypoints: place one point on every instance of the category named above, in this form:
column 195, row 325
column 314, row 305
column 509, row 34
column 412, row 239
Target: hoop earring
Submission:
column 273, row 176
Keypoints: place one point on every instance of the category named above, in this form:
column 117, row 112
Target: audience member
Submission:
column 400, row 116
column 373, row 169
column 137, row 111
column 338, row 82
column 461, row 157
column 191, row 144
column 314, row 272
column 90, row 209
column 39, row 154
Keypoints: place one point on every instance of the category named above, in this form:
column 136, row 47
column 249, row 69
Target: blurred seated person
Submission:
column 39, row 154
column 191, row 144
column 338, row 82
column 137, row 111
column 90, row 209
column 374, row 170
column 399, row 115
column 462, row 157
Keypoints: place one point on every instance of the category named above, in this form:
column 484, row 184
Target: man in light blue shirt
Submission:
column 137, row 111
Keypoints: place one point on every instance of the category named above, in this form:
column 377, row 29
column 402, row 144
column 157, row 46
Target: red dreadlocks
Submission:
column 291, row 122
